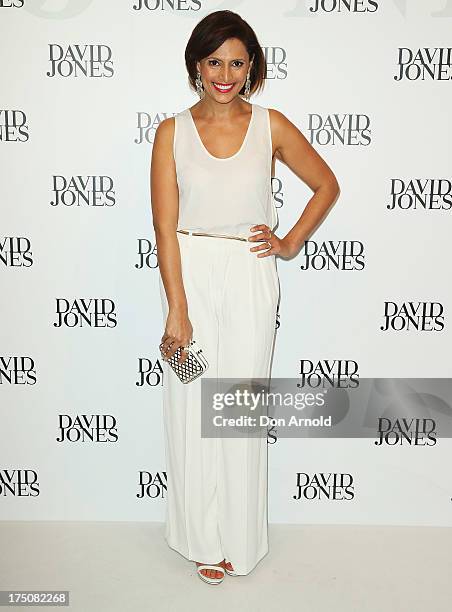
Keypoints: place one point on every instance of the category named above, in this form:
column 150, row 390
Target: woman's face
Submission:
column 223, row 73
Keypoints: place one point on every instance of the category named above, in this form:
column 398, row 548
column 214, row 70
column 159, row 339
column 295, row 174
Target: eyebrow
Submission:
column 242, row 59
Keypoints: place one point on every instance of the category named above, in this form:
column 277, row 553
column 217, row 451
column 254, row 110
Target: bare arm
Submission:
column 165, row 212
column 294, row 150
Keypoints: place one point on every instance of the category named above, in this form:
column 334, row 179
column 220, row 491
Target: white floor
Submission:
column 128, row 567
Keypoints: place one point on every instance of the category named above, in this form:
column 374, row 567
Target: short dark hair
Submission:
column 211, row 32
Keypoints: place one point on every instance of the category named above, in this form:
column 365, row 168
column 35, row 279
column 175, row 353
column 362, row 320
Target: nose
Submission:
column 225, row 75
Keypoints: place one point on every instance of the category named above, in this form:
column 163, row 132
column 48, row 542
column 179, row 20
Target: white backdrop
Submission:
column 92, row 134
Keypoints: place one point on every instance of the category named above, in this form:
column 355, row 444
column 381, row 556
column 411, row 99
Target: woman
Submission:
column 211, row 173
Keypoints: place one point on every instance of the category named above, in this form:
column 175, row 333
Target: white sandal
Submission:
column 231, row 573
column 216, row 568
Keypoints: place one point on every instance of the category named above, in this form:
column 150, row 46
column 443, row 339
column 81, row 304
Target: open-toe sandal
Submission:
column 216, row 568
column 229, row 572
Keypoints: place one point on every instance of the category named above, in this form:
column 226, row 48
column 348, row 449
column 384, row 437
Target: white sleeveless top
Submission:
column 225, row 195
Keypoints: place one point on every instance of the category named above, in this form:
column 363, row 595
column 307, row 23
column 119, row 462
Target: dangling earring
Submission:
column 199, row 85
column 247, row 85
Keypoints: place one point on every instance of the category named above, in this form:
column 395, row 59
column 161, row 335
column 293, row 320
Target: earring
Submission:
column 247, row 85
column 199, row 86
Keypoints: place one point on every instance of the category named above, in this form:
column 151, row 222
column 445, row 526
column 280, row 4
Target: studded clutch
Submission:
column 192, row 367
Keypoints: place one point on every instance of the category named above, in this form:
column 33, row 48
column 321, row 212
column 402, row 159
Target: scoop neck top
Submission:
column 224, row 195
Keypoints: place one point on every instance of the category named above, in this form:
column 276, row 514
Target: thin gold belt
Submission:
column 191, row 233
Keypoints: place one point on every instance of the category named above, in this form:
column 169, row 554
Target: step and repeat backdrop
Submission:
column 84, row 85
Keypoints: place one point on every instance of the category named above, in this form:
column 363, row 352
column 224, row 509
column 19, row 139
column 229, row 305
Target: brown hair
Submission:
column 211, row 32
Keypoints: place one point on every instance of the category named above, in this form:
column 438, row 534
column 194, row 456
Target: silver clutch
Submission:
column 192, row 367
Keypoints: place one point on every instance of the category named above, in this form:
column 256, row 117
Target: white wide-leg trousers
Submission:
column 217, row 487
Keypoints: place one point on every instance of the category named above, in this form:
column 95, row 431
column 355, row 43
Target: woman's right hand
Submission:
column 178, row 332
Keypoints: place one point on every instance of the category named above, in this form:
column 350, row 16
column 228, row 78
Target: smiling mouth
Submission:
column 223, row 87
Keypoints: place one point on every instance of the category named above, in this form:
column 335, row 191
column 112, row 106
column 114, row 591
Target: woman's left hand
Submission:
column 272, row 245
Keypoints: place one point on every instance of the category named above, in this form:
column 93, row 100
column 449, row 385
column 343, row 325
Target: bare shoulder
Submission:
column 276, row 116
column 165, row 131
column 279, row 122
column 281, row 129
